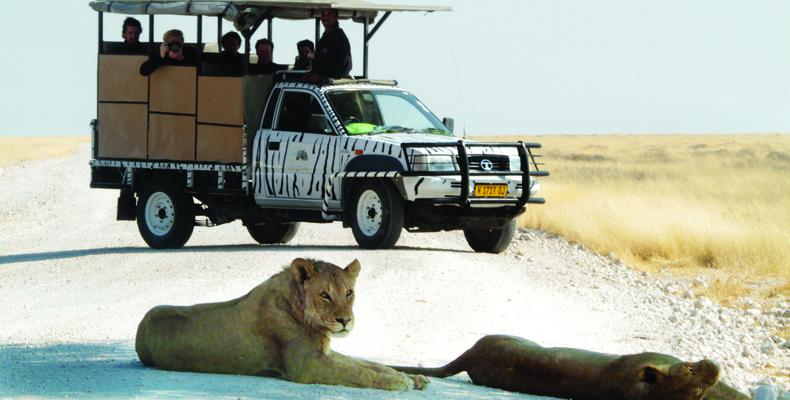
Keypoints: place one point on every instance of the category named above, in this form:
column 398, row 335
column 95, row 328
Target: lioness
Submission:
column 517, row 364
column 280, row 328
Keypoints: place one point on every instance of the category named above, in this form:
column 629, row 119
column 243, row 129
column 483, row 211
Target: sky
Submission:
column 497, row 67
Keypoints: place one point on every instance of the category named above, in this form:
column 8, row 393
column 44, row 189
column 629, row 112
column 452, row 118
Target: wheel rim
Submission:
column 369, row 213
column 159, row 213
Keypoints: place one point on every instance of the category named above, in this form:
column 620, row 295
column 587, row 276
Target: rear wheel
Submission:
column 272, row 233
column 377, row 214
column 491, row 240
column 165, row 217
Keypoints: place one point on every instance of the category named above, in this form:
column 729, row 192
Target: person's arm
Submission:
column 153, row 62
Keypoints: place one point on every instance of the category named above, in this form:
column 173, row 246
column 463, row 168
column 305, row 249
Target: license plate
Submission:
column 490, row 190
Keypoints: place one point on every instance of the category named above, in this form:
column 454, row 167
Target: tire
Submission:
column 376, row 214
column 165, row 215
column 269, row 233
column 491, row 240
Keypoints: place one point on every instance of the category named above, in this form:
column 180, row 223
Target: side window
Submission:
column 267, row 119
column 301, row 112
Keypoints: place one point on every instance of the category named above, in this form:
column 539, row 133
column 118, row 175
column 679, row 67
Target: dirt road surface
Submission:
column 75, row 283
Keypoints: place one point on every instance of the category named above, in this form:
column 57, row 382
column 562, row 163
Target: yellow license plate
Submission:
column 490, row 190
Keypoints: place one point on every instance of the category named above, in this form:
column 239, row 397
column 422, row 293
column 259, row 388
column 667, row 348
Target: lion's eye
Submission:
column 325, row 296
column 349, row 293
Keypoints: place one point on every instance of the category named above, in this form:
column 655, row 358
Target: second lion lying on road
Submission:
column 517, row 364
column 280, row 328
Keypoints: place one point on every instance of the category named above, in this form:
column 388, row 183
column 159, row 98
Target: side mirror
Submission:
column 449, row 123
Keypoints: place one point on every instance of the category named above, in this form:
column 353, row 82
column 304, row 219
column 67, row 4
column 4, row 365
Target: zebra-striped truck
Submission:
column 367, row 154
column 210, row 143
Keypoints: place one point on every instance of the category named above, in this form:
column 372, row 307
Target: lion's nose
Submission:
column 343, row 321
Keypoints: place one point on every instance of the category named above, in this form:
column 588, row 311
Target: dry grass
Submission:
column 14, row 150
column 689, row 203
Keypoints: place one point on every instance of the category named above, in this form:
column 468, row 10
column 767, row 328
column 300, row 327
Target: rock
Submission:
column 767, row 348
column 766, row 392
column 700, row 282
column 786, row 313
column 754, row 312
column 776, row 339
column 689, row 294
column 786, row 344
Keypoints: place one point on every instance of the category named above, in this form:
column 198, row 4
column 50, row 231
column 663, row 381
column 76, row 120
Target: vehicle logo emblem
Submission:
column 486, row 164
column 301, row 155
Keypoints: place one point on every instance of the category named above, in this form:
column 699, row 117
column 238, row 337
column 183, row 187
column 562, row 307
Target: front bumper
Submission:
column 457, row 187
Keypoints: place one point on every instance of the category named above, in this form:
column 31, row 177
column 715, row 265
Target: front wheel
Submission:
column 491, row 240
column 377, row 214
column 272, row 233
column 165, row 217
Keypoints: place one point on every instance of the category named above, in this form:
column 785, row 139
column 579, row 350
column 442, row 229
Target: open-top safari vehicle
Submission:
column 214, row 141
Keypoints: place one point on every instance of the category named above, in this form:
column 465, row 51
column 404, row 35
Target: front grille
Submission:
column 498, row 163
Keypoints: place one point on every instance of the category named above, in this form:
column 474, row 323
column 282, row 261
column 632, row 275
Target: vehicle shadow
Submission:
column 65, row 254
column 112, row 371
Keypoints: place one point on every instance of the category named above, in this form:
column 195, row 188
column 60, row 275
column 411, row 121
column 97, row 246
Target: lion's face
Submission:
column 677, row 380
column 327, row 294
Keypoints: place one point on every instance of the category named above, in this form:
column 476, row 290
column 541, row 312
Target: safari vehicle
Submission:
column 207, row 144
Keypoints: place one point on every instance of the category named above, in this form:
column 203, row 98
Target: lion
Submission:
column 281, row 328
column 516, row 364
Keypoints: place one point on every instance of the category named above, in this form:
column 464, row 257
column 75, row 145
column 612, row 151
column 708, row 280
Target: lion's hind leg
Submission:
column 148, row 331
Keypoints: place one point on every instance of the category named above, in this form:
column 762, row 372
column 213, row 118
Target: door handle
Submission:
column 273, row 146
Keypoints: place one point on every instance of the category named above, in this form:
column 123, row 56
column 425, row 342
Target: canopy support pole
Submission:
column 367, row 36
column 269, row 28
column 317, row 30
column 247, row 33
column 219, row 31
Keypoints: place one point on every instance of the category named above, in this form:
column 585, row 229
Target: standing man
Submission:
column 131, row 30
column 264, row 48
column 333, row 52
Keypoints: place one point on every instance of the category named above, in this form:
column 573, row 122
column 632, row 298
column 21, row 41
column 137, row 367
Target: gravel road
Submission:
column 74, row 284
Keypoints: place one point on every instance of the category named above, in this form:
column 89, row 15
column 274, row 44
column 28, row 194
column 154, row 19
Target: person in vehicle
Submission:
column 264, row 48
column 171, row 52
column 333, row 52
column 230, row 42
column 304, row 61
column 131, row 30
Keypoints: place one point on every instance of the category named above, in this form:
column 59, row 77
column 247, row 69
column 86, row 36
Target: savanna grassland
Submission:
column 16, row 149
column 717, row 205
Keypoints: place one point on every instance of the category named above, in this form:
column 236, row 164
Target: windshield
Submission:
column 383, row 111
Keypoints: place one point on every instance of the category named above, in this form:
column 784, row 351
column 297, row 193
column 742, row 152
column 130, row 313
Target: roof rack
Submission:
column 294, row 75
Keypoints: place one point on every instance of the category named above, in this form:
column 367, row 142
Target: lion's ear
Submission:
column 352, row 270
column 302, row 270
column 651, row 374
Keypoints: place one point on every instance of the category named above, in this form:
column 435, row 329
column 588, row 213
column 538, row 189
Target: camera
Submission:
column 174, row 46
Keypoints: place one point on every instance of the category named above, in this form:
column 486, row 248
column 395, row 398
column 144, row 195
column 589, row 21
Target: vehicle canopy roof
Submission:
column 234, row 10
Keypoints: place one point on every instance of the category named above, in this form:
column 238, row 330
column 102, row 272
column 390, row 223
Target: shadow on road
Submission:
column 112, row 371
column 64, row 254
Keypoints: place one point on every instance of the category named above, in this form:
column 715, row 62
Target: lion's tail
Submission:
column 454, row 367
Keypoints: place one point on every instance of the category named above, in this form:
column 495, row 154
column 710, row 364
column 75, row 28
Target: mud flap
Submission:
column 126, row 206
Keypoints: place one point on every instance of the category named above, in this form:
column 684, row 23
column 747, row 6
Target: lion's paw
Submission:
column 420, row 381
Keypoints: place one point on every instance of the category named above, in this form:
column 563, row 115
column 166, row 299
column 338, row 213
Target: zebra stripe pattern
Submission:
column 330, row 179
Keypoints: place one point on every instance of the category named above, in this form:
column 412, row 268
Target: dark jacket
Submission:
column 269, row 68
column 332, row 55
column 154, row 61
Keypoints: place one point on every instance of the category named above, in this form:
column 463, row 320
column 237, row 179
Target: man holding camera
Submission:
column 171, row 52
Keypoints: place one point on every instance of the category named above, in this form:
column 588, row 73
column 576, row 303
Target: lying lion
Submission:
column 516, row 364
column 280, row 328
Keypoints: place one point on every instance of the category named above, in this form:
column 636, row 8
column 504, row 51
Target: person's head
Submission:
column 329, row 17
column 231, row 42
column 174, row 38
column 306, row 48
column 264, row 48
column 131, row 30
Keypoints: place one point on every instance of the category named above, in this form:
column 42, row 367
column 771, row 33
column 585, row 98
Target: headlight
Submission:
column 434, row 162
column 515, row 163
